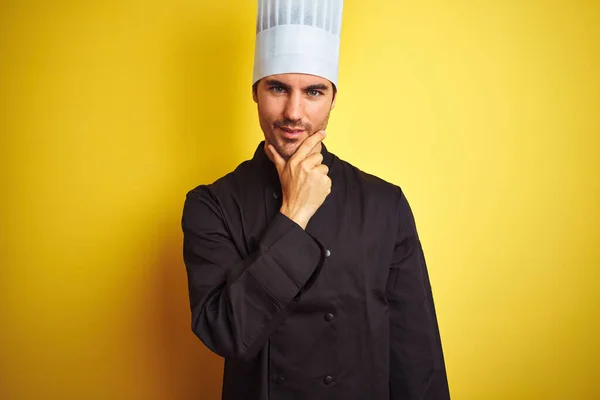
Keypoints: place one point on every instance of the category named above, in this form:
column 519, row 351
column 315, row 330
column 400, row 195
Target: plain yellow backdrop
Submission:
column 486, row 113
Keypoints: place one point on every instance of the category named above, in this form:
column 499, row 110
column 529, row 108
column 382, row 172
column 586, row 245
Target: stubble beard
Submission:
column 287, row 147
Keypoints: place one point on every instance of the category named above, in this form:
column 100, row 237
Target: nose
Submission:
column 293, row 107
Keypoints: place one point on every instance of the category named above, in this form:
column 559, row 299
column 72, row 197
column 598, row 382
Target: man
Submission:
column 305, row 273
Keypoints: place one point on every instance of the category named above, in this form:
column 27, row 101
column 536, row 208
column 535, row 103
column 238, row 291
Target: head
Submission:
column 292, row 107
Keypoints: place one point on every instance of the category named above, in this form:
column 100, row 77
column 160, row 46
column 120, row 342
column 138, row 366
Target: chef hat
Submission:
column 298, row 36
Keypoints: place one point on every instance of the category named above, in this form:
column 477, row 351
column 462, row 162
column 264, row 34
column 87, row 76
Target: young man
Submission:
column 305, row 273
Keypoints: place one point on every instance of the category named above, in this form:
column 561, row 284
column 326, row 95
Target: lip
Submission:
column 291, row 133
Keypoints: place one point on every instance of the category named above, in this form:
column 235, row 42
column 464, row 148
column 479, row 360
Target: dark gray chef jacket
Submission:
column 342, row 310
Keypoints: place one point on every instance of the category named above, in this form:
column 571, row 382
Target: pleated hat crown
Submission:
column 298, row 36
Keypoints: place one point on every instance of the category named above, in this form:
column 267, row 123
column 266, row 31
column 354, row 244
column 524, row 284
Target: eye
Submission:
column 277, row 89
column 314, row 93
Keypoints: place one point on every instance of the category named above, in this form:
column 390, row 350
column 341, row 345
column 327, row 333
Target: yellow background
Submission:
column 486, row 113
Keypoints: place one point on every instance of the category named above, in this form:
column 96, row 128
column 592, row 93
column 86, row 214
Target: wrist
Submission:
column 297, row 217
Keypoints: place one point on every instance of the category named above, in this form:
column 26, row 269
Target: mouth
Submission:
column 291, row 133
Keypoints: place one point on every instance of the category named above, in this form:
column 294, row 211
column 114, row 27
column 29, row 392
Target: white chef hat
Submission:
column 298, row 36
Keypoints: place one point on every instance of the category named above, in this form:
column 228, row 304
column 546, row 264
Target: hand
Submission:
column 304, row 179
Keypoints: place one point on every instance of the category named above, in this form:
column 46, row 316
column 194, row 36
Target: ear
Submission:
column 335, row 92
column 255, row 91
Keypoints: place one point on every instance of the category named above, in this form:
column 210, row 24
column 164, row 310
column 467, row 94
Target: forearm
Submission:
column 417, row 368
column 236, row 307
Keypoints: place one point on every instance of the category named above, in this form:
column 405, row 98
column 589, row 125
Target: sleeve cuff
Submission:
column 290, row 256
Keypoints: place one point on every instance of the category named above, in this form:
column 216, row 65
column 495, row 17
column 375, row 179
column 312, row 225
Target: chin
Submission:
column 287, row 148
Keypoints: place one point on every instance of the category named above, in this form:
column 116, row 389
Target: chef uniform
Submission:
column 342, row 310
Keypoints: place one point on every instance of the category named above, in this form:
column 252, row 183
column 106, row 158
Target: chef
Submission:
column 305, row 273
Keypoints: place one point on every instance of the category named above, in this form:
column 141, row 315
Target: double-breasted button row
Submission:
column 329, row 316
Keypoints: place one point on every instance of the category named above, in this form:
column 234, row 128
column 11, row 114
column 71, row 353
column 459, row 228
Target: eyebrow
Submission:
column 317, row 86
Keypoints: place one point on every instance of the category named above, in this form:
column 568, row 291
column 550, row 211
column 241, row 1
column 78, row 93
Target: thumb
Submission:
column 277, row 159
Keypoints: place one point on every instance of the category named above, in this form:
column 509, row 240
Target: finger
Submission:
column 308, row 144
column 277, row 159
column 322, row 169
column 313, row 160
column 316, row 149
column 327, row 182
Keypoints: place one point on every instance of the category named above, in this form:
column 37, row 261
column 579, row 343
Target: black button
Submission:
column 327, row 253
column 280, row 379
column 275, row 195
column 328, row 380
column 328, row 317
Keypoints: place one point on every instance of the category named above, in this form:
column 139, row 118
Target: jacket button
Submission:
column 328, row 379
column 328, row 317
column 327, row 253
column 280, row 380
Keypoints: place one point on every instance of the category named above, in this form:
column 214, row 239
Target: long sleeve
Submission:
column 417, row 369
column 238, row 302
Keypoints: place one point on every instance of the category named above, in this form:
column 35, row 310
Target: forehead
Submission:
column 299, row 80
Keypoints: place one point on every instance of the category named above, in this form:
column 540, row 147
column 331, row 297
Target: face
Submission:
column 291, row 107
